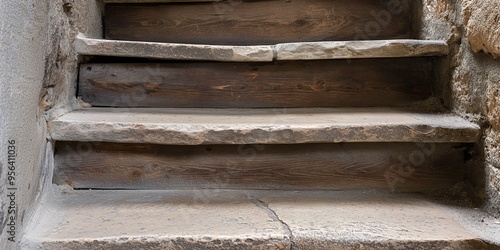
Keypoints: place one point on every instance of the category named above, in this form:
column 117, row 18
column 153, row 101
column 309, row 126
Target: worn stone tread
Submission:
column 260, row 126
column 360, row 49
column 102, row 47
column 158, row 1
column 263, row 53
column 219, row 219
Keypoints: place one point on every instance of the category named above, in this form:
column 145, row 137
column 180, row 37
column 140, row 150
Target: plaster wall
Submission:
column 38, row 68
column 23, row 48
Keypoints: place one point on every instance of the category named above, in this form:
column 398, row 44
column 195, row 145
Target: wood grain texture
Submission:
column 397, row 166
column 258, row 22
column 376, row 82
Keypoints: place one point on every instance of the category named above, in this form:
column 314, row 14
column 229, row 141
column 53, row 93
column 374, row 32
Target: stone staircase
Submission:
column 283, row 124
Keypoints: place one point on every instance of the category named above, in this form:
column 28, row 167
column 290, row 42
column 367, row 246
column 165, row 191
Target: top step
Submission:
column 258, row 22
column 263, row 53
column 159, row 1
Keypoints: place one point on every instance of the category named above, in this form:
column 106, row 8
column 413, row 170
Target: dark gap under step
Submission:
column 385, row 166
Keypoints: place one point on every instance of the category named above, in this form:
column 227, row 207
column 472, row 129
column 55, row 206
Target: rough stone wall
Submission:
column 482, row 30
column 67, row 19
column 23, row 48
column 472, row 28
column 482, row 20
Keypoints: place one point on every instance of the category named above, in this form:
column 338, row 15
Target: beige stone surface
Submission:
column 492, row 138
column 156, row 220
column 223, row 219
column 360, row 49
column 156, row 1
column 101, row 47
column 492, row 147
column 368, row 220
column 482, row 20
column 263, row 53
column 493, row 104
column 235, row 126
column 493, row 189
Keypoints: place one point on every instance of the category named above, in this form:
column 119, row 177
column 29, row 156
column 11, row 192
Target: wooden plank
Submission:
column 399, row 166
column 377, row 82
column 258, row 22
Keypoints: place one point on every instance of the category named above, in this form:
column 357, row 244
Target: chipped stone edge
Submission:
column 199, row 134
column 262, row 53
column 102, row 47
column 361, row 49
column 158, row 242
column 157, row 1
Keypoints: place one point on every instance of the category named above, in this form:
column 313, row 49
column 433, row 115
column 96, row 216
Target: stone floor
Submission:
column 224, row 219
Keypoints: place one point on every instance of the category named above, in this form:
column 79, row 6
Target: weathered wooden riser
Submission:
column 259, row 22
column 326, row 83
column 396, row 166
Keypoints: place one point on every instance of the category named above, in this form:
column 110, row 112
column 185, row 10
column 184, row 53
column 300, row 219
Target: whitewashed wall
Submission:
column 23, row 48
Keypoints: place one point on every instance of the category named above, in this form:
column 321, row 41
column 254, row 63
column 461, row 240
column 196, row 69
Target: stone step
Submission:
column 263, row 53
column 260, row 126
column 218, row 219
column 158, row 1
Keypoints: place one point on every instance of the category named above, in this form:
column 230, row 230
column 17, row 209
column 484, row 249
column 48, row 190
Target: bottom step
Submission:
column 219, row 219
